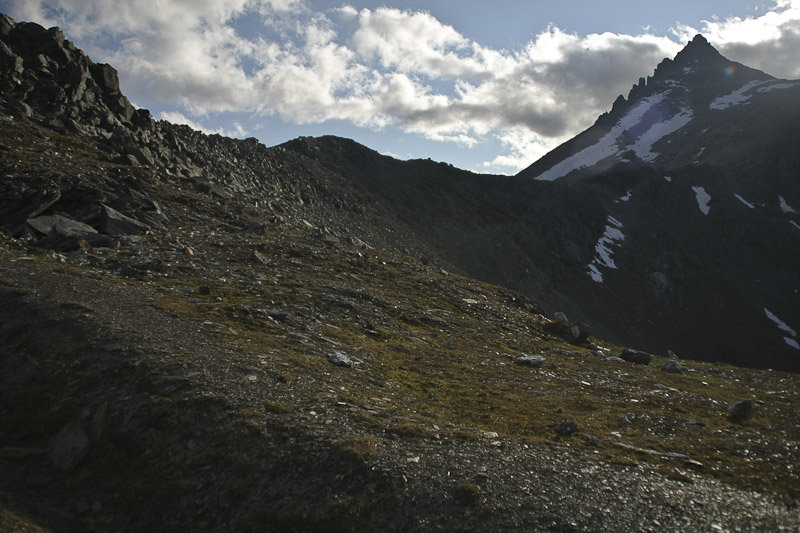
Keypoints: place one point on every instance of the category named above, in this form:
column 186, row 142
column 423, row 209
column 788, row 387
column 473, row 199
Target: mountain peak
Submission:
column 698, row 49
column 699, row 40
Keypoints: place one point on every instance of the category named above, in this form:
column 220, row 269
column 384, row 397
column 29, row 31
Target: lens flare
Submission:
column 730, row 70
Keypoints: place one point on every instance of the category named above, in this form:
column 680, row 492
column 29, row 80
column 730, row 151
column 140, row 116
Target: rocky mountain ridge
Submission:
column 677, row 204
column 209, row 334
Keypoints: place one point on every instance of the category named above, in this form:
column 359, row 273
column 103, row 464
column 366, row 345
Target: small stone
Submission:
column 672, row 365
column 594, row 441
column 340, row 359
column 741, row 411
column 534, row 361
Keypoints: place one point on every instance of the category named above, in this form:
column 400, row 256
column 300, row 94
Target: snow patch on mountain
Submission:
column 785, row 207
column 783, row 326
column 697, row 157
column 624, row 198
column 668, row 178
column 775, row 86
column 745, row 202
column 612, row 236
column 644, row 144
column 795, row 224
column 737, row 97
column 606, row 146
column 702, row 198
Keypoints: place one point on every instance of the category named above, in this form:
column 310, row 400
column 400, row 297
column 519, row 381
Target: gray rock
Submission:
column 261, row 258
column 666, row 455
column 358, row 243
column 112, row 222
column 61, row 225
column 63, row 234
column 106, row 77
column 534, row 361
column 578, row 333
column 142, row 154
column 635, row 356
column 672, row 365
column 69, row 448
column 340, row 359
column 594, row 441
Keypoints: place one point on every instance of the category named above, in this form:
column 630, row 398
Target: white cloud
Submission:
column 768, row 41
column 377, row 67
column 417, row 42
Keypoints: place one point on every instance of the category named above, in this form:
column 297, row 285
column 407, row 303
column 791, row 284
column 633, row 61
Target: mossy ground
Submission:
column 426, row 359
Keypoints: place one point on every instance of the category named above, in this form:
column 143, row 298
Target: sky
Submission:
column 486, row 86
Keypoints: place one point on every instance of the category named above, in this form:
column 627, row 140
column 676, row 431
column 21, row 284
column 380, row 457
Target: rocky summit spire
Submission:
column 698, row 50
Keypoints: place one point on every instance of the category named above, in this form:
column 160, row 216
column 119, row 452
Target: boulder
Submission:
column 672, row 365
column 112, row 222
column 534, row 361
column 358, row 243
column 50, row 224
column 340, row 359
column 106, row 77
column 566, row 428
column 63, row 234
column 561, row 319
column 572, row 333
column 741, row 411
column 6, row 24
column 635, row 356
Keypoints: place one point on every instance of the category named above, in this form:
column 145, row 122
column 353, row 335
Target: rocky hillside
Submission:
column 199, row 333
column 671, row 224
